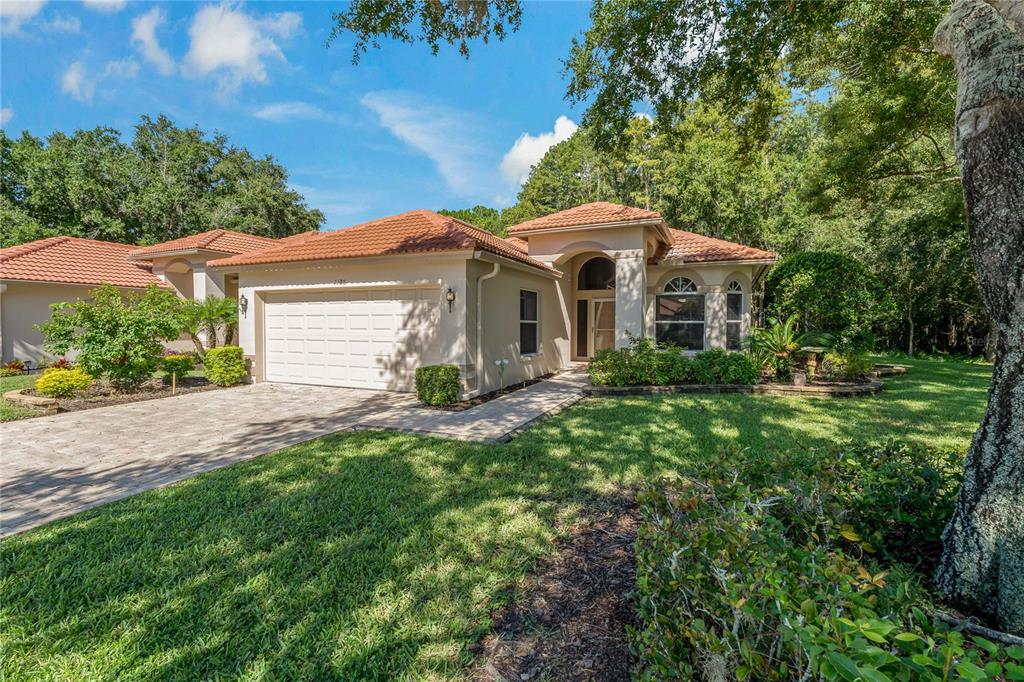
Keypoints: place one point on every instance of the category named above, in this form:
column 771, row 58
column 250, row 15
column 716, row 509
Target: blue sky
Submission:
column 401, row 130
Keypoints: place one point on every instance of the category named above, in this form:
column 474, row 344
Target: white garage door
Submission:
column 360, row 338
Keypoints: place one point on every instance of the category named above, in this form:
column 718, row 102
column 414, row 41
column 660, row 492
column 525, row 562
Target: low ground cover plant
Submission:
column 225, row 366
column 58, row 382
column 438, row 385
column 802, row 567
column 646, row 363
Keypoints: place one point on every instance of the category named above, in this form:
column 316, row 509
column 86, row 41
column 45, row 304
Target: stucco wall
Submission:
column 25, row 304
column 501, row 325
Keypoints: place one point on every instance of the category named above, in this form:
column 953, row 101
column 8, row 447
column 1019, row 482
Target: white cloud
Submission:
column 529, row 149
column 14, row 13
column 233, row 44
column 6, row 114
column 77, row 83
column 278, row 112
column 61, row 24
column 144, row 38
column 437, row 132
column 108, row 6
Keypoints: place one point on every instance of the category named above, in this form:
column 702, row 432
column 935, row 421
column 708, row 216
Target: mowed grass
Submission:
column 380, row 556
column 10, row 411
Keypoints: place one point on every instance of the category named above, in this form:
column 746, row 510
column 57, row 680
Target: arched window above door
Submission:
column 597, row 274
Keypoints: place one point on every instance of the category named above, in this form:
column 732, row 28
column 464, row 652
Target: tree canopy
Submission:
column 166, row 182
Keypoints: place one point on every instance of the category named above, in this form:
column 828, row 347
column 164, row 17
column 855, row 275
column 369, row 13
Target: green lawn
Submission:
column 8, row 410
column 375, row 555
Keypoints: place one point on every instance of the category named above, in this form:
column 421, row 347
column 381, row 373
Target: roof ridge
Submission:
column 211, row 236
column 19, row 250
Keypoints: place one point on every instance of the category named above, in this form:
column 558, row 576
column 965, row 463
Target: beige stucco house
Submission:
column 367, row 305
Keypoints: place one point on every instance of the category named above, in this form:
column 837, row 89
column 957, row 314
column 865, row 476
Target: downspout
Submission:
column 480, row 330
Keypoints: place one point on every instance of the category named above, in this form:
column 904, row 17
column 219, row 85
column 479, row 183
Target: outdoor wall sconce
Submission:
column 450, row 297
column 243, row 303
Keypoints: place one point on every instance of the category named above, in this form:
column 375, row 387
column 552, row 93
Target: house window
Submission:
column 529, row 324
column 733, row 315
column 597, row 274
column 679, row 317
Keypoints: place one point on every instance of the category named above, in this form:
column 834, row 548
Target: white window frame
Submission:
column 535, row 323
column 675, row 290
column 734, row 287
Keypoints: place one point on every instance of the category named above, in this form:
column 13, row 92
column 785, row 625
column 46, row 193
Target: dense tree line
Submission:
column 166, row 182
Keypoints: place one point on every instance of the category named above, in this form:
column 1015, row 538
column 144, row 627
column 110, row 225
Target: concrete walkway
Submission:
column 52, row 467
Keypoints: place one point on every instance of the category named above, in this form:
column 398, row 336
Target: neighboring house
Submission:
column 35, row 275
column 365, row 306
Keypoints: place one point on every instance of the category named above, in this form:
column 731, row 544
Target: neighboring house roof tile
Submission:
column 596, row 213
column 223, row 241
column 73, row 260
column 520, row 244
column 416, row 231
column 690, row 247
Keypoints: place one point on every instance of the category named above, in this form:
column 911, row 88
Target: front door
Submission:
column 604, row 324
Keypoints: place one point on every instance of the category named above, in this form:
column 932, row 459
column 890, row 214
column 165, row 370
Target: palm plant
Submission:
column 211, row 318
column 773, row 347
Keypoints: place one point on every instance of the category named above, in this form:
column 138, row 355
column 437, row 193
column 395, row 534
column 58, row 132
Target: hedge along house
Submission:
column 365, row 306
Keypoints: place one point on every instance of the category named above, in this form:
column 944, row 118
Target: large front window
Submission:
column 679, row 316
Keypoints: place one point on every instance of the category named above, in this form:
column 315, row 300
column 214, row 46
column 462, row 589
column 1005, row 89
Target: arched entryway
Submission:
column 594, row 288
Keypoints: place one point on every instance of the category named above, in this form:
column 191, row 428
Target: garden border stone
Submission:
column 871, row 387
column 888, row 370
column 18, row 396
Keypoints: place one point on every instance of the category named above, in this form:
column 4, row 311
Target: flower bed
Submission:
column 102, row 394
column 830, row 390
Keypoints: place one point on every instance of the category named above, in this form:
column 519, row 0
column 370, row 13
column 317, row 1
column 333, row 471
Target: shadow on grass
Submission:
column 371, row 555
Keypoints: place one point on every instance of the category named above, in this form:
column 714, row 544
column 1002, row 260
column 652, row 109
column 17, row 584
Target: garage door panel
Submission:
column 358, row 338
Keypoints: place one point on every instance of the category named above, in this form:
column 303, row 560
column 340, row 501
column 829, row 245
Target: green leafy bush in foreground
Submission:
column 225, row 366
column 56, row 382
column 179, row 365
column 438, row 384
column 746, row 575
column 646, row 363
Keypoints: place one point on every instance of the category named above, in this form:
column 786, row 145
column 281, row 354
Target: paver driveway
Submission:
column 56, row 466
column 51, row 467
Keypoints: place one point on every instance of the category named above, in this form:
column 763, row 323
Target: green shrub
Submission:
column 438, row 384
column 177, row 364
column 645, row 363
column 827, row 292
column 847, row 365
column 117, row 336
column 761, row 572
column 63, row 383
column 225, row 366
column 717, row 366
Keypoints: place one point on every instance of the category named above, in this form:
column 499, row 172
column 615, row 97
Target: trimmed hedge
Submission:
column 646, row 363
column 177, row 364
column 225, row 366
column 438, row 384
column 63, row 383
column 768, row 568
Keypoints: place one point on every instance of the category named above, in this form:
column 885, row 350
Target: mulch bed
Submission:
column 102, row 394
column 463, row 405
column 568, row 620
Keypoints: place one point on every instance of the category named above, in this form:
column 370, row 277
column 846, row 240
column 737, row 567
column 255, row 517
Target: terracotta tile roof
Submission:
column 596, row 213
column 75, row 261
column 520, row 244
column 689, row 247
column 418, row 231
column 224, row 241
column 300, row 237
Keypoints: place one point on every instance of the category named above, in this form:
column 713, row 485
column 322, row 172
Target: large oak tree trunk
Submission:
column 982, row 567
